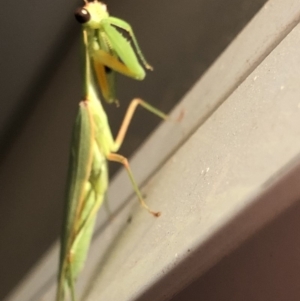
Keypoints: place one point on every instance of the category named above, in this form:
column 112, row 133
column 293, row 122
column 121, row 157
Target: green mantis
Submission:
column 106, row 51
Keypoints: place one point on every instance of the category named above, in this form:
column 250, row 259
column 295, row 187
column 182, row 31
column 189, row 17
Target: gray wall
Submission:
column 40, row 89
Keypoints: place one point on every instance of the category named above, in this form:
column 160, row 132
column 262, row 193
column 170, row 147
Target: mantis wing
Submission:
column 78, row 222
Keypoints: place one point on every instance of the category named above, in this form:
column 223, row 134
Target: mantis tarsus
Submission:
column 106, row 51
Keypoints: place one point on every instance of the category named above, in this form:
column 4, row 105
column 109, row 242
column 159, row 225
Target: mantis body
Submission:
column 106, row 51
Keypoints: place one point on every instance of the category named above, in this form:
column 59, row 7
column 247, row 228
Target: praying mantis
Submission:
column 105, row 52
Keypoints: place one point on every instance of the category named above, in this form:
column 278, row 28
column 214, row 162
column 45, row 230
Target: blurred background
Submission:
column 41, row 89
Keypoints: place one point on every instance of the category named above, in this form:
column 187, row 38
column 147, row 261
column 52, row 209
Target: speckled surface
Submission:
column 215, row 177
column 210, row 191
column 41, row 87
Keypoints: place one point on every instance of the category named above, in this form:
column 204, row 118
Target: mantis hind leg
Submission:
column 128, row 116
column 119, row 140
column 120, row 159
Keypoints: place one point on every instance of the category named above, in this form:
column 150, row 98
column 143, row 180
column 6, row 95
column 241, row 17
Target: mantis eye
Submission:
column 82, row 15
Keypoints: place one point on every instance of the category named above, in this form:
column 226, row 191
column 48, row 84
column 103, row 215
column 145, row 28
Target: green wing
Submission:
column 80, row 166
